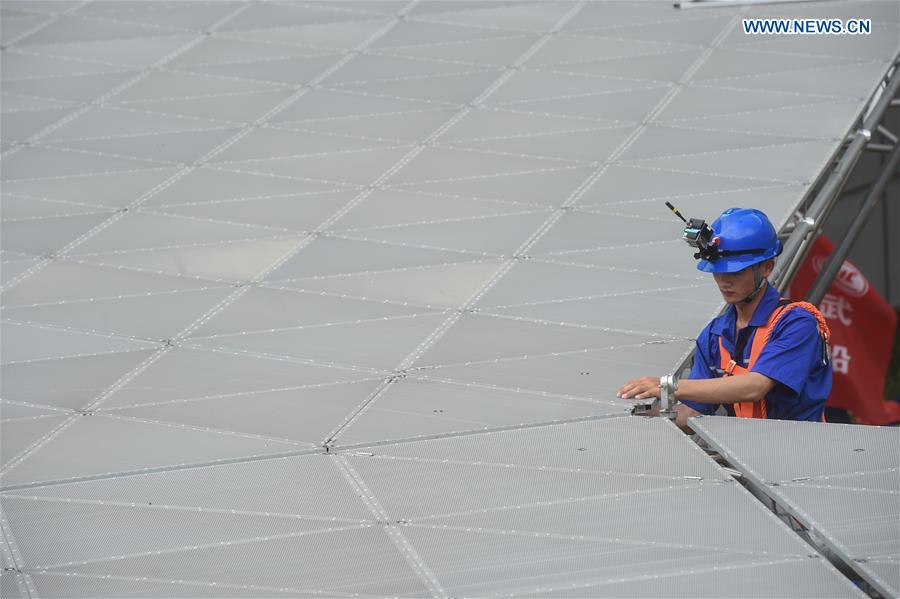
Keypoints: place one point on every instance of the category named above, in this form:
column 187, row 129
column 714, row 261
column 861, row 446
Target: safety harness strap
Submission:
column 730, row 367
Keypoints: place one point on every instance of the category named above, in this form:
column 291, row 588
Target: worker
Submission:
column 764, row 357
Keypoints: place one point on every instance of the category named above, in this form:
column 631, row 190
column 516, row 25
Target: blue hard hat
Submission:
column 744, row 237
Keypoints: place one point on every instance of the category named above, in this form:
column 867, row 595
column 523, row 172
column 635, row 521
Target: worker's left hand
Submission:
column 642, row 388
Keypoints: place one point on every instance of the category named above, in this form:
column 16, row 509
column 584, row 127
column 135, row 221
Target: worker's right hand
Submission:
column 642, row 388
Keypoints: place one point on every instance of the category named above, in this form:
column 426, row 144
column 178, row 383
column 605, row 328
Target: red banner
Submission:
column 862, row 336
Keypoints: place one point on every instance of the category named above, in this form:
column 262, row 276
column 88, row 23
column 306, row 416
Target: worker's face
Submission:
column 735, row 286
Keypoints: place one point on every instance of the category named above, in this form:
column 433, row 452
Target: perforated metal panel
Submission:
column 839, row 480
column 333, row 298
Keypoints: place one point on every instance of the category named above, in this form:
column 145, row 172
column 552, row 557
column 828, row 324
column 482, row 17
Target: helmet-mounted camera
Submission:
column 699, row 235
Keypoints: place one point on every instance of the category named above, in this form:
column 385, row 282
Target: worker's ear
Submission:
column 766, row 267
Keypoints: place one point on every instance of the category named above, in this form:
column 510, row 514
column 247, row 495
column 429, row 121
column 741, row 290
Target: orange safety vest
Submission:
column 757, row 409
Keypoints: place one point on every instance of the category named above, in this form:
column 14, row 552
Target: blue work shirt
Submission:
column 792, row 357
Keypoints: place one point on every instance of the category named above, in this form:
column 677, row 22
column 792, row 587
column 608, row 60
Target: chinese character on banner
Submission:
column 862, row 336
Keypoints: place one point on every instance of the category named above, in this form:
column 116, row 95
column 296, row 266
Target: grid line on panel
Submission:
column 350, row 449
column 286, row 359
column 423, row 520
column 513, row 103
column 81, row 355
column 676, row 122
column 545, row 227
column 143, row 24
column 64, row 202
column 440, row 104
column 612, row 26
column 34, row 52
column 362, row 298
column 152, row 162
column 572, row 198
column 718, row 153
column 271, row 196
column 320, row 325
column 211, row 124
column 25, row 219
column 283, row 358
column 827, row 477
column 7, row 306
column 139, row 269
column 723, row 82
column 483, row 255
column 190, row 548
column 13, row 556
column 794, row 136
column 301, row 90
column 97, row 256
column 474, row 177
column 117, row 172
column 550, row 259
column 343, row 84
column 824, row 535
column 435, row 19
column 205, row 429
column 602, row 35
column 219, row 221
column 451, row 196
column 806, row 485
column 659, row 198
column 52, row 18
column 560, row 69
column 750, row 48
column 542, row 355
column 421, row 374
column 160, row 469
column 506, row 74
column 355, row 116
column 573, row 325
column 130, row 82
column 127, row 104
column 225, row 163
column 171, row 56
column 186, row 400
column 26, row 404
column 607, row 540
column 402, row 51
column 185, row 508
column 441, row 221
column 61, row 327
column 33, row 418
column 339, row 185
column 586, row 129
column 610, row 581
column 390, row 527
column 514, row 110
column 686, row 171
column 463, row 147
column 392, row 142
column 357, row 449
column 153, row 7
column 198, row 584
column 345, row 449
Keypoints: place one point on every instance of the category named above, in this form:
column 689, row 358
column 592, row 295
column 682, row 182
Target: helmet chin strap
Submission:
column 758, row 279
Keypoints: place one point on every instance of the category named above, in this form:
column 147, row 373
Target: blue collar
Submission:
column 723, row 326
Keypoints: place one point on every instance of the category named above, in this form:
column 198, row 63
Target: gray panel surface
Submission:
column 840, row 481
column 346, row 289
